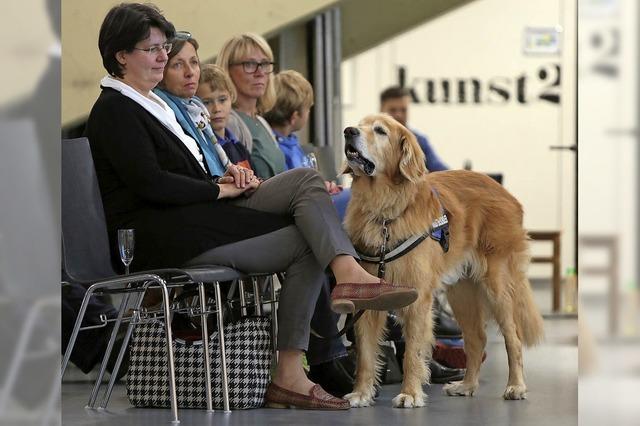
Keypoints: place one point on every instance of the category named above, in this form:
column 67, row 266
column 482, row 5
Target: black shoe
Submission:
column 335, row 376
column 394, row 329
column 445, row 326
column 441, row 374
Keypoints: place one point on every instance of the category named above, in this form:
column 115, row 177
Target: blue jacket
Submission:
column 290, row 147
column 433, row 162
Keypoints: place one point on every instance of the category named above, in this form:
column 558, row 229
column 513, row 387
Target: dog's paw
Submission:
column 459, row 389
column 515, row 392
column 405, row 400
column 360, row 399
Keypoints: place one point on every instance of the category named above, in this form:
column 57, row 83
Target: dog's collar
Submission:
column 438, row 231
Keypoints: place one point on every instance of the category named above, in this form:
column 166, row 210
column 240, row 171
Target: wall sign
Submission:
column 526, row 88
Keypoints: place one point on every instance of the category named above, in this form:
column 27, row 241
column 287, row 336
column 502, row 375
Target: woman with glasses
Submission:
column 154, row 178
column 178, row 88
column 248, row 60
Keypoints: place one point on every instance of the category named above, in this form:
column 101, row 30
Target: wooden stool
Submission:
column 554, row 259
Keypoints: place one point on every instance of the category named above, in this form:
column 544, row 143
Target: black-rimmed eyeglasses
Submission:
column 252, row 66
column 155, row 49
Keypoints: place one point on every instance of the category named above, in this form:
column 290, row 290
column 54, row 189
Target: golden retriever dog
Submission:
column 483, row 270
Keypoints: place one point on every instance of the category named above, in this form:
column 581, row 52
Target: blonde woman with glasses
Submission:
column 248, row 60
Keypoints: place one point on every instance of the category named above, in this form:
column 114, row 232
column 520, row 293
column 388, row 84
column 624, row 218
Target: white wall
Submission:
column 484, row 40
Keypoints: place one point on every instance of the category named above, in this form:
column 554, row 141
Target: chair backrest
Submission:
column 85, row 244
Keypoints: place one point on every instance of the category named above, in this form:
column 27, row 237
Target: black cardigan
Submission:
column 151, row 182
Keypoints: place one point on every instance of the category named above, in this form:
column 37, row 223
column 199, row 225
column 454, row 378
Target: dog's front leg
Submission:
column 418, row 335
column 369, row 332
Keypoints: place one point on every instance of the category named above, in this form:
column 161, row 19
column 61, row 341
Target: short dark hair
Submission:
column 125, row 25
column 393, row 92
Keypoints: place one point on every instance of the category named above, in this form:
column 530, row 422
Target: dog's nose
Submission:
column 351, row 132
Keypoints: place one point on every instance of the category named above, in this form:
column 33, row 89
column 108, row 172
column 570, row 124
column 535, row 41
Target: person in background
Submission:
column 395, row 102
column 217, row 93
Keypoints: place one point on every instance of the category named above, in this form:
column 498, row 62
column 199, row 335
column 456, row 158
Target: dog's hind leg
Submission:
column 417, row 328
column 370, row 331
column 499, row 288
column 467, row 301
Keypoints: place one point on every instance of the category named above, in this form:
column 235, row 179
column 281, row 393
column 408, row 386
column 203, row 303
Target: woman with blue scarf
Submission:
column 177, row 89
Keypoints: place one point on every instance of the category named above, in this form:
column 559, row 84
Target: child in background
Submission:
column 217, row 93
column 294, row 99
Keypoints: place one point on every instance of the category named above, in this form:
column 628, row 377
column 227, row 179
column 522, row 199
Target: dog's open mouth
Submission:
column 354, row 156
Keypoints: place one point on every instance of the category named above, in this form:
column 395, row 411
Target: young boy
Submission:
column 294, row 99
column 217, row 93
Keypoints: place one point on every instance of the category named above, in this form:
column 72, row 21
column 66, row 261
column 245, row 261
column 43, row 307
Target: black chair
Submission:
column 86, row 260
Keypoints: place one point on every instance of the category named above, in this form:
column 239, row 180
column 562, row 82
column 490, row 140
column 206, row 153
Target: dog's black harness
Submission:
column 438, row 231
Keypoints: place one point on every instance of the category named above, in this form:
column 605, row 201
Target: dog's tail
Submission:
column 529, row 324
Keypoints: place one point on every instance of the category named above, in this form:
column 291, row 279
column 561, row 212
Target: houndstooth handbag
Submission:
column 248, row 351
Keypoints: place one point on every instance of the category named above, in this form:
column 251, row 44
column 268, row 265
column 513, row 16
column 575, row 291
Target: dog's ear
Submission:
column 412, row 163
column 345, row 169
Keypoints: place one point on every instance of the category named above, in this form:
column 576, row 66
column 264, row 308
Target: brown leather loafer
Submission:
column 347, row 298
column 317, row 399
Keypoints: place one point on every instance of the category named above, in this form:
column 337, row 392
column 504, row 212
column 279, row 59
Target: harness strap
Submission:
column 397, row 252
column 438, row 231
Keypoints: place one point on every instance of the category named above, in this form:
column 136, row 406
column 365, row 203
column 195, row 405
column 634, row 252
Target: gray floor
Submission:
column 551, row 374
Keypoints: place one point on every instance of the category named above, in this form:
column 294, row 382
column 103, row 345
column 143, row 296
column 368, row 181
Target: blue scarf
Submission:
column 179, row 107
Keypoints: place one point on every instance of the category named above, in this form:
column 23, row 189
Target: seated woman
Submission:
column 153, row 178
column 178, row 88
column 248, row 60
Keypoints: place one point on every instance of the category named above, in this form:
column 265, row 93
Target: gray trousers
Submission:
column 302, row 250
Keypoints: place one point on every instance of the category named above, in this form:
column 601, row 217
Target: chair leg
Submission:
column 274, row 318
column 243, row 301
column 107, row 395
column 170, row 358
column 76, row 329
column 223, row 355
column 107, row 354
column 205, row 347
column 256, row 296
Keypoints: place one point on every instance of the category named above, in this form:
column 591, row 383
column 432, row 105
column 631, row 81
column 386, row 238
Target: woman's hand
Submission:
column 332, row 188
column 229, row 189
column 253, row 185
column 241, row 176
